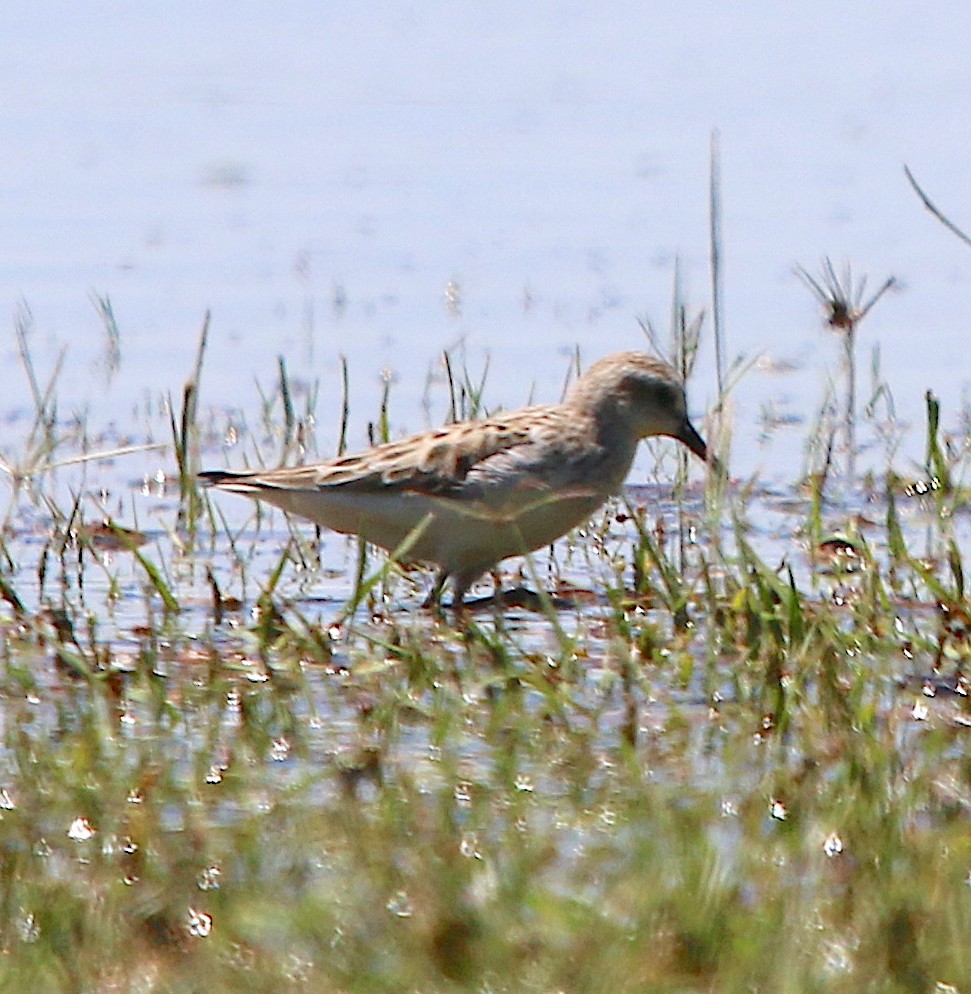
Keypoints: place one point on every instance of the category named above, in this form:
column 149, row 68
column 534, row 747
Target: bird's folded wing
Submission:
column 440, row 462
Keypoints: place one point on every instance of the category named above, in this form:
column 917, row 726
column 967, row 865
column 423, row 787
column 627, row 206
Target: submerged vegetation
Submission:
column 232, row 763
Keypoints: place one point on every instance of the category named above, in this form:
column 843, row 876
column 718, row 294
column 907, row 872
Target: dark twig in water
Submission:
column 950, row 225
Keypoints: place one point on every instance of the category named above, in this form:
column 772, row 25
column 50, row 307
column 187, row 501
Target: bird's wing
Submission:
column 451, row 460
column 514, row 460
column 457, row 460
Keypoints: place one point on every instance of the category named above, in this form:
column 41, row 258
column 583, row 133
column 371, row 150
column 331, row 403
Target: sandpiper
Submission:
column 468, row 495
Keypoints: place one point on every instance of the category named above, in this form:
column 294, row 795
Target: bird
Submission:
column 469, row 494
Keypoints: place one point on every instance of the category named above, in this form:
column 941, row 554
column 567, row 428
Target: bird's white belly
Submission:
column 458, row 535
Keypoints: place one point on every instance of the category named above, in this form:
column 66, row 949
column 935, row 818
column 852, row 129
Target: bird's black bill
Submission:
column 693, row 441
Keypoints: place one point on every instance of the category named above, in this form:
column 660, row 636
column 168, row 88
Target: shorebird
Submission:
column 467, row 495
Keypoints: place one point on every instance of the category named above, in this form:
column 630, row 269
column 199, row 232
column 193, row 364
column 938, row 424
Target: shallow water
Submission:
column 511, row 184
column 388, row 182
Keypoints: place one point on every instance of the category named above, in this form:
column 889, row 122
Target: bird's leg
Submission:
column 433, row 601
column 460, row 587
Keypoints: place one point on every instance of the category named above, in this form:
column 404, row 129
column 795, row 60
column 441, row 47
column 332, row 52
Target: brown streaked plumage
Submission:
column 474, row 493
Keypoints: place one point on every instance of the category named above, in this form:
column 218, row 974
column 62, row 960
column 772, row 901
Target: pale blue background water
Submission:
column 549, row 158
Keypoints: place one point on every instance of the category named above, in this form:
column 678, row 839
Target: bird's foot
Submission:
column 521, row 597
